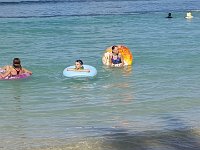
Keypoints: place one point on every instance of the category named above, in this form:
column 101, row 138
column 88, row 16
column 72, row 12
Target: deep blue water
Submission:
column 54, row 8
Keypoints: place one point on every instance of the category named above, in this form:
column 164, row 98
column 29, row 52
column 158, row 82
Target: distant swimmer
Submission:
column 169, row 15
column 189, row 15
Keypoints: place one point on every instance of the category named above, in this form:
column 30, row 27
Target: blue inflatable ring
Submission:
column 92, row 72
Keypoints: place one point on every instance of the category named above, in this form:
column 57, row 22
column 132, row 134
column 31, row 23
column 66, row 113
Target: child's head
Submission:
column 115, row 49
column 78, row 64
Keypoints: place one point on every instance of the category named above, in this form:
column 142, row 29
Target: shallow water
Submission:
column 153, row 104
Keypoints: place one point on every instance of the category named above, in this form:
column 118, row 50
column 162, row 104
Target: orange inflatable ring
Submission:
column 125, row 51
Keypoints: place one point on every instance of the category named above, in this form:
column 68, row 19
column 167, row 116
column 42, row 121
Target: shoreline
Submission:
column 175, row 139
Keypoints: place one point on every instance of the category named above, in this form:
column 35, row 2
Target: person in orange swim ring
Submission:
column 116, row 58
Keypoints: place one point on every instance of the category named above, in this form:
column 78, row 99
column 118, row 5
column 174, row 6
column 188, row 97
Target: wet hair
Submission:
column 16, row 63
column 113, row 47
column 79, row 61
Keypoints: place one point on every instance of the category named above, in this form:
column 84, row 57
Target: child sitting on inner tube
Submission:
column 78, row 67
column 116, row 58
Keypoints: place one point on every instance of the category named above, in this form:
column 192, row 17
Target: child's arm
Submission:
column 84, row 70
column 110, row 59
column 70, row 69
column 122, row 59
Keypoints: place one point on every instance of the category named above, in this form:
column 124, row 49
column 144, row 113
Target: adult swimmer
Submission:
column 15, row 70
column 116, row 58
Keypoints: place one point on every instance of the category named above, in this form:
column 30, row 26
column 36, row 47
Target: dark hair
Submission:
column 169, row 15
column 80, row 61
column 16, row 63
column 113, row 47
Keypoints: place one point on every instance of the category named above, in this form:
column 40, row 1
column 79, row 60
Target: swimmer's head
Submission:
column 79, row 61
column 115, row 49
column 16, row 63
column 78, row 64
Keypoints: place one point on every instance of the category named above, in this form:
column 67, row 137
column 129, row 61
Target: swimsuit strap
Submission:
column 18, row 71
column 116, row 55
column 117, row 60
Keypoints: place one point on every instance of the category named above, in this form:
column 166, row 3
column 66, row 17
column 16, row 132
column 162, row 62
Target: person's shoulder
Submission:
column 23, row 69
column 110, row 54
column 9, row 67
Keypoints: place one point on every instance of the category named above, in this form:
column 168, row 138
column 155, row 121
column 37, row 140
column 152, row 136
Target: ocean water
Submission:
column 153, row 104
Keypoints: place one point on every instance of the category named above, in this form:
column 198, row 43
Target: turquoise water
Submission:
column 153, row 104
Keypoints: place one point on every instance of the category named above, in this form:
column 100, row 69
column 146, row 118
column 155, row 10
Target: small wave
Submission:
column 197, row 10
column 16, row 2
column 89, row 14
column 65, row 15
column 30, row 2
column 40, row 1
